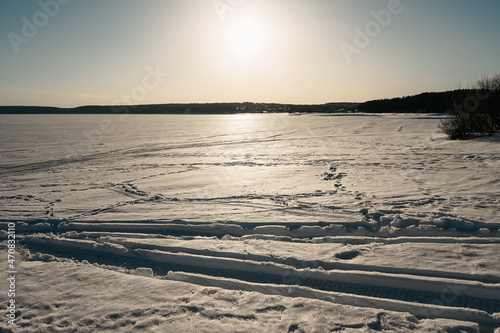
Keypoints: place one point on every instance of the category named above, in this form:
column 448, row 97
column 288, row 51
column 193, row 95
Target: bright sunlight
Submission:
column 245, row 37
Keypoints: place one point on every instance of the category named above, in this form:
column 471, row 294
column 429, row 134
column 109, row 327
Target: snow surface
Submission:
column 68, row 297
column 263, row 168
column 116, row 202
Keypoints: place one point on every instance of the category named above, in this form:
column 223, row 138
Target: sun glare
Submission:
column 245, row 37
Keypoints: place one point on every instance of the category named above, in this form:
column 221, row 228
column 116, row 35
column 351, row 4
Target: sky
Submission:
column 69, row 53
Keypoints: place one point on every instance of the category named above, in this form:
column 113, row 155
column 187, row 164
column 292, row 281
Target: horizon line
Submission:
column 205, row 103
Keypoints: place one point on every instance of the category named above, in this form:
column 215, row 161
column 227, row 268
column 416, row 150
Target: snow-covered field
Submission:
column 246, row 223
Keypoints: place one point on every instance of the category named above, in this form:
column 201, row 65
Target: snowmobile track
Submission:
column 458, row 300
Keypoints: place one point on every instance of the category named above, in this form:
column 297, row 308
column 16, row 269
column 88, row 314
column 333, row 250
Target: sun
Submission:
column 245, row 37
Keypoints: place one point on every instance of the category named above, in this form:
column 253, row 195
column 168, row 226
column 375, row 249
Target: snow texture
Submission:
column 246, row 223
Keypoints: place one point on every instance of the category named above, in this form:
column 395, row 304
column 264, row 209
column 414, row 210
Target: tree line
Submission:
column 199, row 108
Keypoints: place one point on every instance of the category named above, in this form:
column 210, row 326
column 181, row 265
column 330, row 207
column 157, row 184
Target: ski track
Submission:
column 40, row 166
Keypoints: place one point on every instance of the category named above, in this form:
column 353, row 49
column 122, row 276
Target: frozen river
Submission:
column 251, row 222
column 389, row 170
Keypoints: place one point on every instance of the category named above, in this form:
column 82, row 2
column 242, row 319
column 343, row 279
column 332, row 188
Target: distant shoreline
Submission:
column 209, row 108
column 438, row 102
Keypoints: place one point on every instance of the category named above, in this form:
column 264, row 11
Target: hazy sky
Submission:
column 80, row 52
